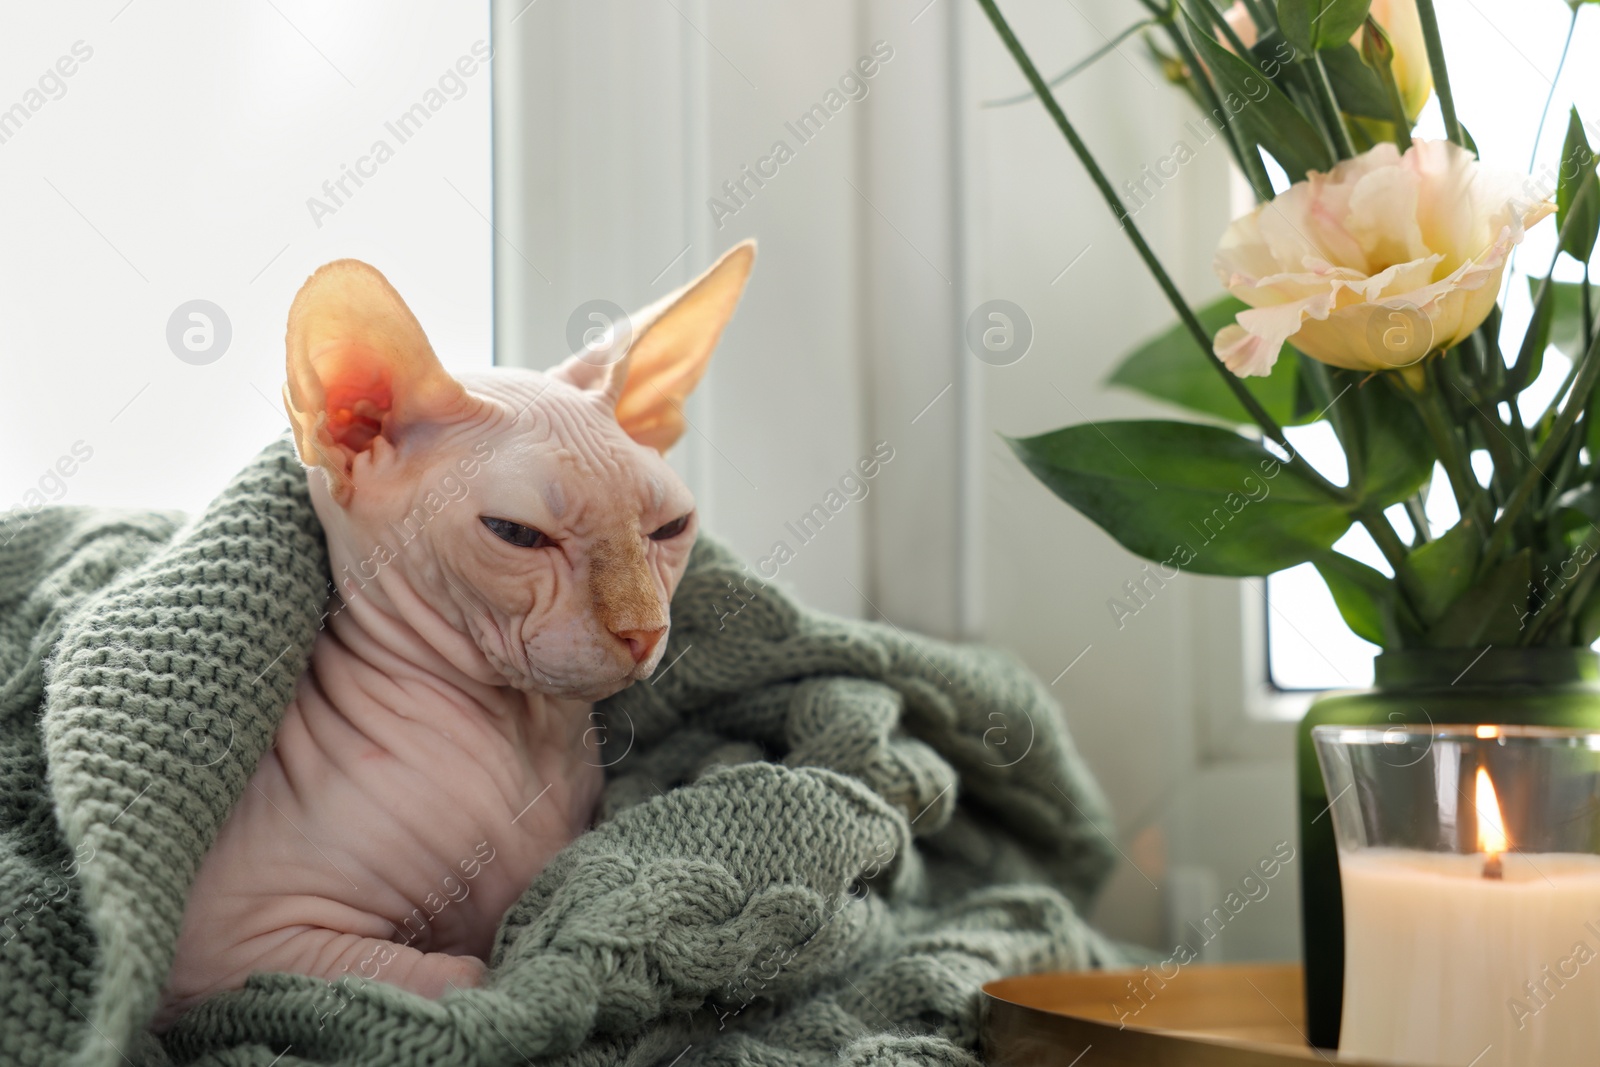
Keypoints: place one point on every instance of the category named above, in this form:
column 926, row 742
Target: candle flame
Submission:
column 1491, row 825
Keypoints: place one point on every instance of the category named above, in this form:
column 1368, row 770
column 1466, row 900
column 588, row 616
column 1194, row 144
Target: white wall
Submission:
column 177, row 164
column 618, row 122
column 1187, row 807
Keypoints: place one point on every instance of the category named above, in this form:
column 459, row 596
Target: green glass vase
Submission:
column 1514, row 686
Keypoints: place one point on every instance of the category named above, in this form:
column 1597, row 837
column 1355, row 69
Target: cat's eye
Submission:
column 671, row 529
column 514, row 533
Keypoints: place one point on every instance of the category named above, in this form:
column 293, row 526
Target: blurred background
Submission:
column 509, row 164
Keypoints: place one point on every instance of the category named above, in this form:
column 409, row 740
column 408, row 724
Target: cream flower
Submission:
column 1376, row 263
column 1399, row 20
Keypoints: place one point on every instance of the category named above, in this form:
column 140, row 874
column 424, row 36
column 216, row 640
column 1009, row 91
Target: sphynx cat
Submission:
column 439, row 748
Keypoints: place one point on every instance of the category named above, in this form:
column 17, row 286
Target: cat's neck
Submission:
column 427, row 684
column 372, row 595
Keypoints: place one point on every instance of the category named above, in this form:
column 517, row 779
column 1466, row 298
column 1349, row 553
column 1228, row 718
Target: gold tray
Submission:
column 1248, row 1015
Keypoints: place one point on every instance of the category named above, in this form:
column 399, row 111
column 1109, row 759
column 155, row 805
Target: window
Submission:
column 1308, row 646
column 167, row 197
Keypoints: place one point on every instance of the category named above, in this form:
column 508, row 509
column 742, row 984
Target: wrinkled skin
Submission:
column 440, row 747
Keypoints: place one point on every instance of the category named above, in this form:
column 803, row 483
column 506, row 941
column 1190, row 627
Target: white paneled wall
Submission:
column 1141, row 697
column 621, row 122
column 617, row 126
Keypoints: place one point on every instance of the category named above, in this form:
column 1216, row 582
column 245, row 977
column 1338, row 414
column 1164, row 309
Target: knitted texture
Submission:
column 818, row 838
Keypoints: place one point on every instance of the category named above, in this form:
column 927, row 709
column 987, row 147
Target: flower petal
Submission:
column 1372, row 265
column 1251, row 345
column 1247, row 355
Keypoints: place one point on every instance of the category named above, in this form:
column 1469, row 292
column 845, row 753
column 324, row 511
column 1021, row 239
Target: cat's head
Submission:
column 525, row 524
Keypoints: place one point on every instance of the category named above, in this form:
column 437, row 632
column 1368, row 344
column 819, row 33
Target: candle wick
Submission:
column 1492, row 867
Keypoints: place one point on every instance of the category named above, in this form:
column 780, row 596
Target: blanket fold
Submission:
column 818, row 836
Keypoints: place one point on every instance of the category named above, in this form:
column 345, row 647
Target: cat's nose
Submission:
column 641, row 642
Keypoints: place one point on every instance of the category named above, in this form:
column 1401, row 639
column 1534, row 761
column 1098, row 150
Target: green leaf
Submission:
column 1199, row 497
column 1365, row 597
column 1566, row 316
column 1170, row 367
column 1317, row 24
column 1591, row 423
column 1398, row 455
column 1265, row 116
column 1309, row 405
column 1577, row 169
column 1491, row 612
column 1356, row 87
column 1445, row 566
column 1586, row 627
column 1535, row 339
column 1576, row 515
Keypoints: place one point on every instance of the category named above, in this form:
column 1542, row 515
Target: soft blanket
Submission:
column 818, row 839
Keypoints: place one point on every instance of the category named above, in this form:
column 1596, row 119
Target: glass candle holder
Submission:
column 1470, row 864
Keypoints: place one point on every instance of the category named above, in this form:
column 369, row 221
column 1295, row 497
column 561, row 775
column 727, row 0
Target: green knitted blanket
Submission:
column 819, row 837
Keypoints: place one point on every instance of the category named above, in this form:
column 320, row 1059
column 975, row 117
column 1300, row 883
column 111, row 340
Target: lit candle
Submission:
column 1490, row 958
column 1491, row 824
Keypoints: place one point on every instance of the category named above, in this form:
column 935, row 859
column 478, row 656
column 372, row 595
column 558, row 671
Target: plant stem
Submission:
column 1441, row 73
column 1588, row 309
column 1441, row 426
column 1504, row 455
column 1533, row 153
column 1394, row 550
column 1489, row 333
column 1564, row 466
column 1268, row 424
column 1418, row 514
column 1397, row 108
column 1081, row 65
column 1323, row 89
column 1577, row 400
column 1590, row 412
column 1494, row 440
column 1524, row 442
column 1591, row 403
column 1476, row 362
column 1538, row 132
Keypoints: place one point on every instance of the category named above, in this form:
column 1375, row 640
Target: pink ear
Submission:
column 672, row 344
column 359, row 368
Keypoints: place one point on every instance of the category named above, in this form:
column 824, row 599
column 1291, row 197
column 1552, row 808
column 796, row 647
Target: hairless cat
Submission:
column 505, row 544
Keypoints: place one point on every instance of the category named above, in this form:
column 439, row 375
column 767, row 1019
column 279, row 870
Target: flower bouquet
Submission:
column 1364, row 290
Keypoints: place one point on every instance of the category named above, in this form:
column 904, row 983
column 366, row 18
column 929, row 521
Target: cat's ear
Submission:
column 360, row 371
column 670, row 345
